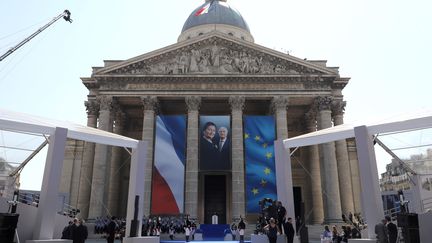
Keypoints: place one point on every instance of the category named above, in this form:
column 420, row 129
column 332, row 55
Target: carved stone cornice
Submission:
column 237, row 102
column 92, row 107
column 279, row 103
column 150, row 103
column 193, row 103
column 338, row 107
column 105, row 102
column 323, row 103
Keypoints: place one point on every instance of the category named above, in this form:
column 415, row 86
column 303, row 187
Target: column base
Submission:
column 362, row 240
column 333, row 221
column 317, row 222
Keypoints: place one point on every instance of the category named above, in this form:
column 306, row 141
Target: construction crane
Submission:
column 65, row 15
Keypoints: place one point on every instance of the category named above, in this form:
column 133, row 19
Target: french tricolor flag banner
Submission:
column 169, row 165
column 205, row 9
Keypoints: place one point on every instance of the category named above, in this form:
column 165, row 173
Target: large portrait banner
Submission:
column 215, row 143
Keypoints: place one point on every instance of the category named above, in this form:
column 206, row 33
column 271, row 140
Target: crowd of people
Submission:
column 238, row 229
column 111, row 228
column 337, row 236
column 274, row 221
column 354, row 223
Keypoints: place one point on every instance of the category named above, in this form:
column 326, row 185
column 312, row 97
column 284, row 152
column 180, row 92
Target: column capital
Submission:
column 193, row 103
column 105, row 102
column 338, row 107
column 92, row 107
column 150, row 102
column 237, row 102
column 279, row 103
column 323, row 103
column 310, row 116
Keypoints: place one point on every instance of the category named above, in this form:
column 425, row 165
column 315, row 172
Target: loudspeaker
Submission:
column 411, row 235
column 8, row 223
column 408, row 220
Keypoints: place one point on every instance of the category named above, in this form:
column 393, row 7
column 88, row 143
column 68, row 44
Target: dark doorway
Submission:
column 297, row 201
column 215, row 198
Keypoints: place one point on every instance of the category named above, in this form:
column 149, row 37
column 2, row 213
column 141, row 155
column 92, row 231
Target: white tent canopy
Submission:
column 363, row 134
column 20, row 122
column 414, row 121
column 59, row 132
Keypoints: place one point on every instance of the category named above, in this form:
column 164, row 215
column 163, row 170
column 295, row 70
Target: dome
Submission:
column 219, row 14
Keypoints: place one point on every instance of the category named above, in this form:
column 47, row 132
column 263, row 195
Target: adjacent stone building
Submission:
column 396, row 177
column 214, row 69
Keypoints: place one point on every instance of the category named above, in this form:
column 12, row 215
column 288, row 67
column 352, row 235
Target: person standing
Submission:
column 289, row 230
column 111, row 230
column 281, row 215
column 326, row 236
column 336, row 238
column 187, row 232
column 171, row 232
column 67, row 231
column 272, row 230
column 241, row 228
column 392, row 230
column 233, row 231
column 79, row 232
column 381, row 232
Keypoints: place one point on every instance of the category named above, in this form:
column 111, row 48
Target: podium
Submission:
column 8, row 224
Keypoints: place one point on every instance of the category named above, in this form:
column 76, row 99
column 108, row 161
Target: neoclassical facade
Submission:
column 215, row 69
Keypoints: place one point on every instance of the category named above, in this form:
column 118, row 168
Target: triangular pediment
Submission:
column 215, row 54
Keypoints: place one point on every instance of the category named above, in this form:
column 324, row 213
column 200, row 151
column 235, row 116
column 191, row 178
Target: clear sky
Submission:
column 384, row 46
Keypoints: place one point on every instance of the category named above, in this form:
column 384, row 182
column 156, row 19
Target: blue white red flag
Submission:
column 205, row 9
column 169, row 165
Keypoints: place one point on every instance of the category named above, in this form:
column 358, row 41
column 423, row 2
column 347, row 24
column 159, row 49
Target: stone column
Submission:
column 237, row 159
column 314, row 168
column 191, row 190
column 115, row 165
column 279, row 106
column 355, row 175
column 150, row 104
column 92, row 107
column 98, row 196
column 346, row 191
column 329, row 172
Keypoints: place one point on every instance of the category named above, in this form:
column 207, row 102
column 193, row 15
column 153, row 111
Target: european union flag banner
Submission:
column 169, row 165
column 259, row 136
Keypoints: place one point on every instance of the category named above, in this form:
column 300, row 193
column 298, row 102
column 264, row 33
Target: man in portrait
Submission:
column 224, row 146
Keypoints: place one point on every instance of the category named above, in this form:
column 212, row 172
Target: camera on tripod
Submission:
column 267, row 206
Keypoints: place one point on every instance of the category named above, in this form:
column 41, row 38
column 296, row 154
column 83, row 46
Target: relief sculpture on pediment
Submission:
column 215, row 58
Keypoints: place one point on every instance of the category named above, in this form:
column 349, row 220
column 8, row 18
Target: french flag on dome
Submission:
column 169, row 165
column 205, row 9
